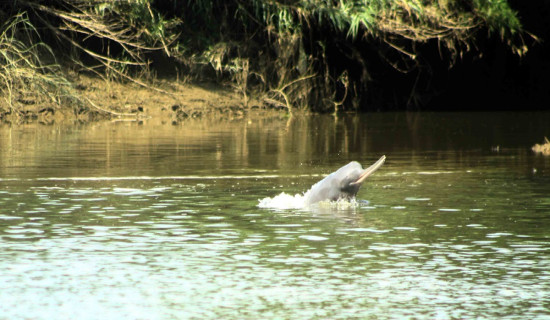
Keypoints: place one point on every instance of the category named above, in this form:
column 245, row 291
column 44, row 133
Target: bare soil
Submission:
column 166, row 100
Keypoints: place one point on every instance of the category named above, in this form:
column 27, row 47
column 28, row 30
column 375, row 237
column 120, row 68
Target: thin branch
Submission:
column 118, row 114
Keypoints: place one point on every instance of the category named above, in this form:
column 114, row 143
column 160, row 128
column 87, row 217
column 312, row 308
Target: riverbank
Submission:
column 317, row 56
column 165, row 100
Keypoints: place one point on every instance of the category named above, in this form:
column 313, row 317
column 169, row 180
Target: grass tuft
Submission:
column 29, row 73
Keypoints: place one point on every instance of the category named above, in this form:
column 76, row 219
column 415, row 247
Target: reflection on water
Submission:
column 160, row 221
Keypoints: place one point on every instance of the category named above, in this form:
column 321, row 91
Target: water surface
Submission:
column 125, row 220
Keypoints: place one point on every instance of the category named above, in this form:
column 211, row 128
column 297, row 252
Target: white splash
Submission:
column 285, row 201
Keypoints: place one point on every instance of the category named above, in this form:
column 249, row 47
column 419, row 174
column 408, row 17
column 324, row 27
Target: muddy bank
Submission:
column 165, row 100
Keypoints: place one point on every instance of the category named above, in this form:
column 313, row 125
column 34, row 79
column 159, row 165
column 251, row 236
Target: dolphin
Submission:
column 344, row 183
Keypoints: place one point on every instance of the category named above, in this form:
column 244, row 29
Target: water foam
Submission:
column 284, row 201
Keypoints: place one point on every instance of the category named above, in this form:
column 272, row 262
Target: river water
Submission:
column 151, row 220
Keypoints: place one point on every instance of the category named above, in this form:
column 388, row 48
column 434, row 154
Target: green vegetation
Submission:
column 295, row 54
column 27, row 67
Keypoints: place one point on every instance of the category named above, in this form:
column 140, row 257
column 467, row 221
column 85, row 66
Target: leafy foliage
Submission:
column 296, row 54
column 287, row 42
